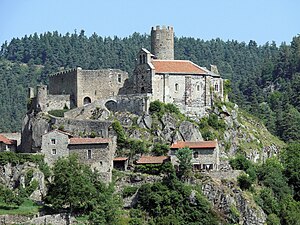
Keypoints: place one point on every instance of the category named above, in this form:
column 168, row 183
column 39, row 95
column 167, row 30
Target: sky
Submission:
column 242, row 20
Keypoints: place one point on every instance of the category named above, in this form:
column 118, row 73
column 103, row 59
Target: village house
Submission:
column 97, row 153
column 7, row 144
column 120, row 163
column 205, row 154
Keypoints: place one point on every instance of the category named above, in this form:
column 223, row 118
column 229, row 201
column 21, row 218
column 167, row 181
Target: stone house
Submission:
column 120, row 163
column 205, row 154
column 55, row 145
column 95, row 152
column 7, row 145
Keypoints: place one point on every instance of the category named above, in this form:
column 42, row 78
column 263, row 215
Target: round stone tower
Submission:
column 162, row 42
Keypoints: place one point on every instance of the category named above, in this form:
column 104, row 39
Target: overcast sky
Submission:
column 242, row 20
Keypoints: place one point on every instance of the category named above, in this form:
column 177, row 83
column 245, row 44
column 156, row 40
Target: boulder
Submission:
column 190, row 132
column 147, row 119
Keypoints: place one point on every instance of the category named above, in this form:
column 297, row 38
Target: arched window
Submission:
column 198, row 87
column 141, row 60
column 87, row 100
column 196, row 155
column 216, row 87
column 176, row 87
column 144, row 59
column 142, row 90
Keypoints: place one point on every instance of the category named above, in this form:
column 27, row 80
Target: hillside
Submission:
column 264, row 79
column 261, row 189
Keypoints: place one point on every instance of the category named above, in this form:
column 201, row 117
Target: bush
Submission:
column 121, row 137
column 156, row 107
column 129, row 191
column 160, row 149
column 58, row 112
column 153, row 169
column 244, row 181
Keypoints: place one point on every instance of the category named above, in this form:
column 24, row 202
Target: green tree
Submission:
column 72, row 185
column 185, row 156
column 291, row 160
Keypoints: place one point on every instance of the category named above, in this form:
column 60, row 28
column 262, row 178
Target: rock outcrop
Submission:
column 233, row 203
column 13, row 176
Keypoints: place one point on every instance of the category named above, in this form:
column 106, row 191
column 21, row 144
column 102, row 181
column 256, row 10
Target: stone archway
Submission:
column 111, row 105
column 87, row 100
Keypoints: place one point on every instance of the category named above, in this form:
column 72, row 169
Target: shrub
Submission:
column 172, row 108
column 129, row 191
column 121, row 137
column 244, row 181
column 153, row 169
column 160, row 149
column 58, row 112
column 156, row 107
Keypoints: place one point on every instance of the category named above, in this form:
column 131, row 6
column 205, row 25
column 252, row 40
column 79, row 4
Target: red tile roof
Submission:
column 152, row 159
column 177, row 66
column 193, row 145
column 120, row 159
column 7, row 141
column 84, row 141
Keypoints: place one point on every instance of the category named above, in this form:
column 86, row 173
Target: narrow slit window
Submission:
column 119, row 78
column 89, row 154
column 176, row 87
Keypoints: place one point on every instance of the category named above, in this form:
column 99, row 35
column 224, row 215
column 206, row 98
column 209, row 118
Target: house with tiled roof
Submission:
column 205, row 154
column 181, row 82
column 7, row 144
column 120, row 163
column 95, row 152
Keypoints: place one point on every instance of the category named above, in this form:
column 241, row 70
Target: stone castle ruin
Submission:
column 91, row 95
column 157, row 76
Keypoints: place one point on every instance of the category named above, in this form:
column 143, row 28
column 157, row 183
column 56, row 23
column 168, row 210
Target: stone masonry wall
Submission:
column 58, row 102
column 99, row 84
column 101, row 157
column 64, row 83
column 60, row 146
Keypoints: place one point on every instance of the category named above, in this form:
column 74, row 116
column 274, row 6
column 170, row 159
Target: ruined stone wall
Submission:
column 101, row 157
column 142, row 78
column 64, row 83
column 57, row 102
column 99, row 84
column 53, row 151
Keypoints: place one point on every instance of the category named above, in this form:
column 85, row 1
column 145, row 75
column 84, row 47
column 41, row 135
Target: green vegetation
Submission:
column 28, row 207
column 185, row 156
column 276, row 187
column 58, row 112
column 169, row 202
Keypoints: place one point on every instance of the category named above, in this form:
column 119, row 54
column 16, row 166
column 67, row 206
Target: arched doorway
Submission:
column 86, row 100
column 111, row 105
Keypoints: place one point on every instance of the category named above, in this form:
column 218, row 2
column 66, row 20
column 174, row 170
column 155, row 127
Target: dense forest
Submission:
column 265, row 80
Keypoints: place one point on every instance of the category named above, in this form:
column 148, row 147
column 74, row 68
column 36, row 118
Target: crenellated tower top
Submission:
column 162, row 42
